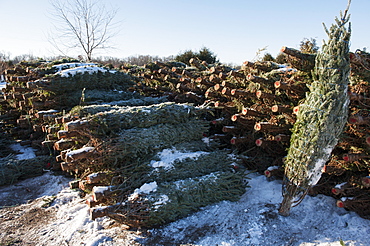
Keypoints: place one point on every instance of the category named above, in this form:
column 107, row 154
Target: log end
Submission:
column 340, row 204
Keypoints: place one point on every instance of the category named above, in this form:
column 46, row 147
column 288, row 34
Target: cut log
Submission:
column 222, row 75
column 245, row 94
column 282, row 138
column 98, row 212
column 281, row 109
column 96, row 178
column 204, row 81
column 99, row 193
column 350, row 157
column 256, row 79
column 76, row 125
column 241, row 140
column 64, row 144
column 298, row 54
column 79, row 154
column 358, row 120
column 226, row 91
column 214, row 79
column 182, row 87
column 217, row 87
column 236, row 74
column 48, row 144
column 252, row 112
column 20, row 89
column 67, row 166
column 249, row 123
column 260, row 94
column 274, row 171
column 268, row 127
column 230, row 129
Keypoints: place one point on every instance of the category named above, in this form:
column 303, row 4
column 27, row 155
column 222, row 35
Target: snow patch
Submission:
column 161, row 201
column 71, row 69
column 26, row 152
column 69, row 65
column 50, row 111
column 147, row 188
column 169, row 156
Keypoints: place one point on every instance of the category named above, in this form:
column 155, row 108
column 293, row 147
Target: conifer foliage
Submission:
column 321, row 118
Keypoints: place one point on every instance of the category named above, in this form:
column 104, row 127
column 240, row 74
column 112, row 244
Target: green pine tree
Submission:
column 321, row 118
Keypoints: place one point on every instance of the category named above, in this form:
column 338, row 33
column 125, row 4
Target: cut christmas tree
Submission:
column 321, row 118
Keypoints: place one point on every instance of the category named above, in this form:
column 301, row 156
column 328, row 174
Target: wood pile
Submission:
column 255, row 109
column 250, row 111
column 35, row 100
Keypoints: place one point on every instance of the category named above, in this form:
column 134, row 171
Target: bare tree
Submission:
column 82, row 24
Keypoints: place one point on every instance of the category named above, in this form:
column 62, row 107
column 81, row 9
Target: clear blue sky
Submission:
column 234, row 30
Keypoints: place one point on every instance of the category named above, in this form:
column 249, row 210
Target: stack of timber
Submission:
column 112, row 135
column 36, row 98
column 115, row 165
column 255, row 108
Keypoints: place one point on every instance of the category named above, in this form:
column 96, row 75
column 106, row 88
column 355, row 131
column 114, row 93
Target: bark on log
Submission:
column 303, row 61
column 76, row 125
column 359, row 120
column 298, row 54
column 226, row 91
column 260, row 94
column 222, row 75
column 269, row 128
column 241, row 140
column 79, row 154
column 64, row 144
column 257, row 79
column 96, row 178
column 245, row 94
column 67, row 166
column 231, row 129
column 214, row 79
column 281, row 109
column 246, row 122
column 252, row 112
column 236, row 74
column 67, row 134
column 282, row 138
column 228, row 84
column 204, row 81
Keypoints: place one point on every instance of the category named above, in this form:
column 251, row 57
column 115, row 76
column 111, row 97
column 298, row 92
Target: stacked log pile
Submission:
column 35, row 100
column 255, row 108
column 114, row 162
column 251, row 111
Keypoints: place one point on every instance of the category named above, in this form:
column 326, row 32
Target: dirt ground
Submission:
column 17, row 223
column 22, row 211
column 29, row 216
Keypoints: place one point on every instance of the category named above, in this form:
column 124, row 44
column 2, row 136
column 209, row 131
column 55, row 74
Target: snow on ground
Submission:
column 25, row 152
column 253, row 220
column 2, row 82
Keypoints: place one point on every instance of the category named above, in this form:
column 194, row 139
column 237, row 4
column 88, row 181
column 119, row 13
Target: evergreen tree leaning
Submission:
column 321, row 118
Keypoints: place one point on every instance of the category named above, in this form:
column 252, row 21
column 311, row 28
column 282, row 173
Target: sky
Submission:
column 234, row 30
